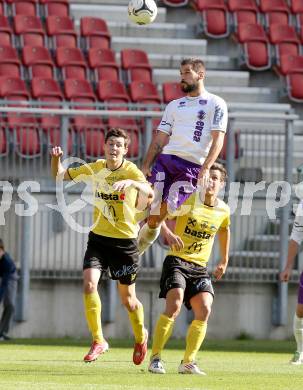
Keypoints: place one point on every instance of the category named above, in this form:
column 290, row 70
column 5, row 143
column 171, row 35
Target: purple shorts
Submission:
column 300, row 290
column 174, row 180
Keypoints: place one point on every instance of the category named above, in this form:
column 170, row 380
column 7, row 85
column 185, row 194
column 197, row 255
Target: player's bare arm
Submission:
column 155, row 148
column 293, row 248
column 56, row 166
column 174, row 241
column 215, row 149
column 224, row 243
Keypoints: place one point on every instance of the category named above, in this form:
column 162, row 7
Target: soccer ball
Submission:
column 142, row 11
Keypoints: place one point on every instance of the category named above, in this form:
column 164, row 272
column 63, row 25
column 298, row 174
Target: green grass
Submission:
column 230, row 365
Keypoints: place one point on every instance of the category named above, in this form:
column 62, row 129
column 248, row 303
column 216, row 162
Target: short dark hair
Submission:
column 195, row 62
column 1, row 244
column 117, row 132
column 219, row 167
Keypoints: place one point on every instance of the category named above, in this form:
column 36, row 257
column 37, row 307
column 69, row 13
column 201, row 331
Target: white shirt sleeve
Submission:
column 220, row 115
column 167, row 120
column 297, row 229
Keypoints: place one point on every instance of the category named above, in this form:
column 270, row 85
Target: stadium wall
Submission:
column 55, row 310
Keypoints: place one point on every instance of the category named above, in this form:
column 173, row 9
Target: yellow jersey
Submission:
column 114, row 211
column 198, row 227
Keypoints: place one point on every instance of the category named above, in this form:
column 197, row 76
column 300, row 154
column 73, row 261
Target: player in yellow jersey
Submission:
column 118, row 186
column 184, row 275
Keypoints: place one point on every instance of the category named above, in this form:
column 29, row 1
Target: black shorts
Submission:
column 191, row 277
column 118, row 255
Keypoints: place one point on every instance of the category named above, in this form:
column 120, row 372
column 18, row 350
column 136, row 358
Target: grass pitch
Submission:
column 230, row 365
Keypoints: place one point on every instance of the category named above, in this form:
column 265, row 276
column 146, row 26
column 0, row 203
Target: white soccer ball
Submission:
column 142, row 11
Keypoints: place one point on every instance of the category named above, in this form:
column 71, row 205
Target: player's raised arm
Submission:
column 215, row 149
column 56, row 166
column 224, row 243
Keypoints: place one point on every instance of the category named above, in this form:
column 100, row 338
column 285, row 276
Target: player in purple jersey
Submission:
column 188, row 142
column 295, row 240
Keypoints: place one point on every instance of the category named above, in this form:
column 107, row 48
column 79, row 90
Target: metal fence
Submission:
column 260, row 149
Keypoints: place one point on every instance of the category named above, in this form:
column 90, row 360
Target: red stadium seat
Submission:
column 9, row 62
column 61, row 28
column 144, row 92
column 104, row 64
column 291, row 64
column 5, row 32
column 2, row 9
column 72, row 63
column 135, row 63
column 214, row 15
column 5, row 38
column 13, row 88
column 45, row 88
column 244, row 11
column 175, row 3
column 276, row 11
column 24, row 7
column 112, row 92
column 81, row 123
column 94, row 143
column 124, row 123
column 134, row 145
column 55, row 7
column 54, row 137
column 256, row 48
column 6, row 69
column 79, row 91
column 223, row 154
column 95, row 33
column 294, row 83
column 285, row 39
column 39, row 61
column 30, row 30
column 3, row 142
column 171, row 91
column 106, row 73
column 50, row 123
column 64, row 40
column 296, row 6
column 26, row 135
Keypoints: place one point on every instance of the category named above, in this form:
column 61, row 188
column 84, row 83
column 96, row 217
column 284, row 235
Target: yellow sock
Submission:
column 136, row 318
column 92, row 308
column 194, row 339
column 162, row 333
